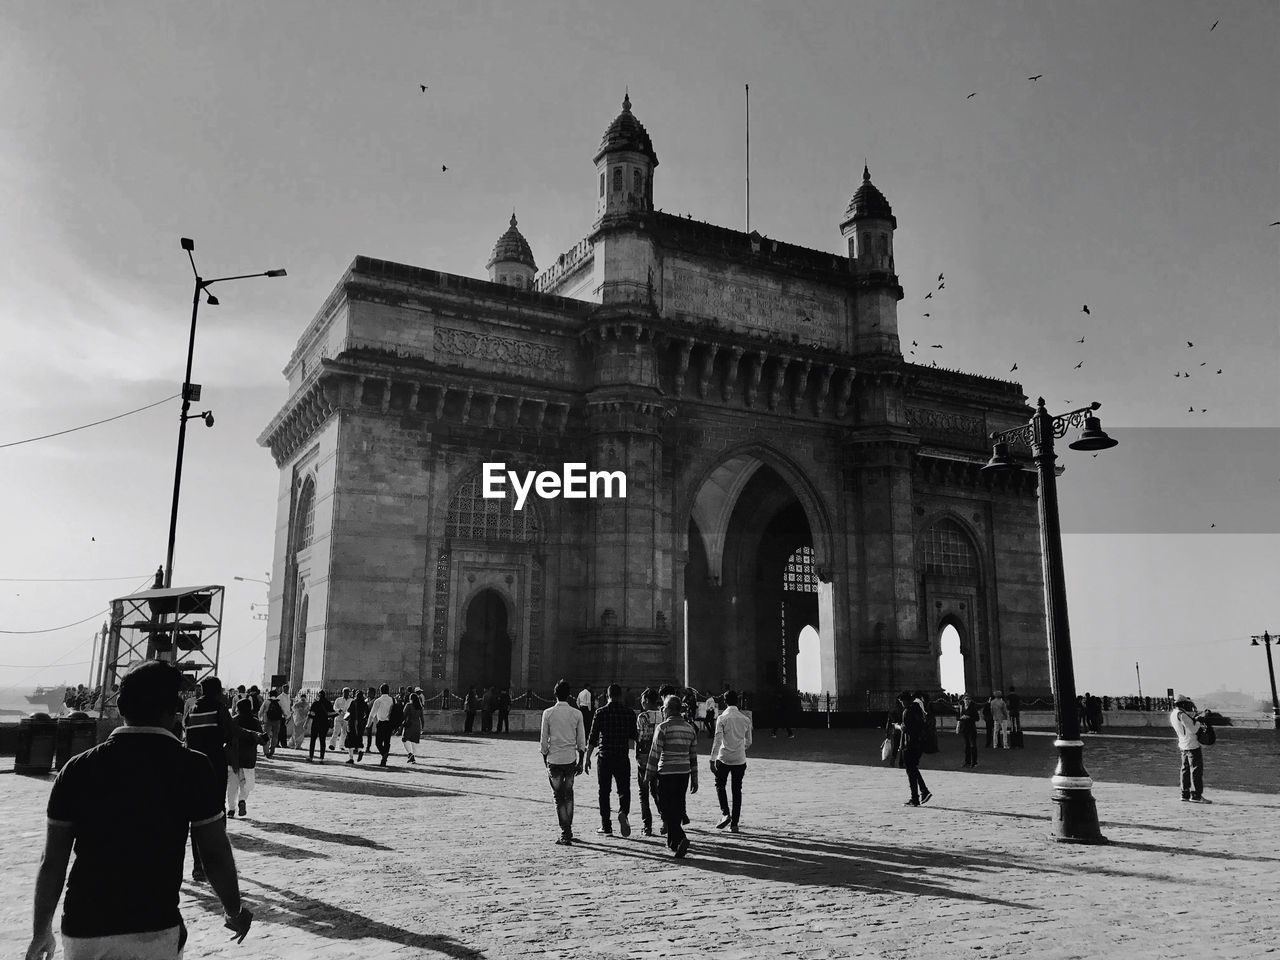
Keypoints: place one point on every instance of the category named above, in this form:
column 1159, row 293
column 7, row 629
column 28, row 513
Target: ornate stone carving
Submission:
column 487, row 346
column 942, row 422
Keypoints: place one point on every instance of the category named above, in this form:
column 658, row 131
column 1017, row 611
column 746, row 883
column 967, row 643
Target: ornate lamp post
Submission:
column 1266, row 640
column 1076, row 816
column 191, row 391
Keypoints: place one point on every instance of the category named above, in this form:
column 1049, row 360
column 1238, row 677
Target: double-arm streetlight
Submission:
column 1076, row 816
column 191, row 391
column 1266, row 639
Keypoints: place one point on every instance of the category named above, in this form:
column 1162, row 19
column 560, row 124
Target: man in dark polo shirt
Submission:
column 614, row 732
column 210, row 730
column 125, row 806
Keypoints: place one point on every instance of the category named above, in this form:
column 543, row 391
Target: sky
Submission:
column 1137, row 176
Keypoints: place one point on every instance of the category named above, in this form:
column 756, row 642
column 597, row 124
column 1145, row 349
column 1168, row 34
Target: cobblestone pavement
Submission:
column 454, row 857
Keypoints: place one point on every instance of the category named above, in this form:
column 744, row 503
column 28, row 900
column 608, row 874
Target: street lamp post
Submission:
column 1076, row 814
column 1266, row 640
column 191, row 391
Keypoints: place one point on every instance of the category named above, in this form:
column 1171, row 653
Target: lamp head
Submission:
column 1000, row 458
column 212, row 300
column 188, row 244
column 276, row 273
column 1093, row 437
column 1253, row 642
column 207, row 416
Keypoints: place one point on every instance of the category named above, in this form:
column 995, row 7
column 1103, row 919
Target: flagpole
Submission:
column 747, row 87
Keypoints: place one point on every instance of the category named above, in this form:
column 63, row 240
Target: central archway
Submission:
column 485, row 656
column 751, row 584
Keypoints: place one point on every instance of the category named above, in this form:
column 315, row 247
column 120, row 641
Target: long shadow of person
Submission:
column 319, row 918
column 312, row 833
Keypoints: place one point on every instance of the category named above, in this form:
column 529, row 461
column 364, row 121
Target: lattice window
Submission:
column 472, row 517
column 949, row 552
column 306, row 515
column 799, row 574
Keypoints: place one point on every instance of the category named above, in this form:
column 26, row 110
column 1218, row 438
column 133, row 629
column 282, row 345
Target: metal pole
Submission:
column 1139, row 670
column 1275, row 703
column 182, row 441
column 1076, row 816
column 748, row 91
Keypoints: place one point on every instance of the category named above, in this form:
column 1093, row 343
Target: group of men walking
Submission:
column 664, row 742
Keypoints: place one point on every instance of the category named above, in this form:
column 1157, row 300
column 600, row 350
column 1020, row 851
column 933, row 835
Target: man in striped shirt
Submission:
column 673, row 759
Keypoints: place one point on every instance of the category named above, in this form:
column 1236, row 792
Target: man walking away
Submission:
column 380, row 722
column 320, row 714
column 211, row 731
column 1014, row 703
column 647, row 721
column 487, row 704
column 240, row 778
column 504, row 711
column 339, row 738
column 273, row 721
column 673, row 760
column 470, row 703
column 563, row 743
column 1186, row 724
column 614, row 731
column 1000, row 717
column 967, row 727
column 729, row 758
column 126, row 806
column 912, row 748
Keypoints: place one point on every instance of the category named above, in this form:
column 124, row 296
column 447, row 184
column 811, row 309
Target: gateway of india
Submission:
column 785, row 468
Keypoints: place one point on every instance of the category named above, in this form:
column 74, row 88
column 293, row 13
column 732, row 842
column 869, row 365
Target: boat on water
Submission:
column 54, row 697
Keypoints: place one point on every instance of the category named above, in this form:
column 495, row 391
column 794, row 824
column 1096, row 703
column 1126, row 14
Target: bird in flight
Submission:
column 1013, row 368
column 939, row 278
column 423, row 86
column 1191, row 409
column 1036, row 77
column 972, row 95
column 1219, row 371
column 1190, row 344
column 914, row 344
column 936, row 346
column 1203, row 362
column 443, row 168
column 94, row 539
column 1081, row 340
column 928, row 314
column 942, row 286
column 1212, row 525
column 1080, row 364
column 1214, row 27
column 1177, row 373
column 1085, row 309
column 929, row 295
column 1276, row 224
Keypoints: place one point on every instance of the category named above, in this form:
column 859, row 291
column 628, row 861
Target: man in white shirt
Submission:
column 1000, row 720
column 729, row 758
column 564, row 743
column 1185, row 724
column 340, row 719
column 380, row 722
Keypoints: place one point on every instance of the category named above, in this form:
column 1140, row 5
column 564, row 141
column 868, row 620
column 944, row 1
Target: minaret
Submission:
column 624, row 166
column 868, row 228
column 511, row 262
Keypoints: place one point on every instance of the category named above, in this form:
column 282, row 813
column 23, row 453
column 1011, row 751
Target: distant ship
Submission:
column 53, row 697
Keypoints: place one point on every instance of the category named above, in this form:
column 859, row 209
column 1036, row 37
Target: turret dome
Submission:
column 868, row 201
column 512, row 247
column 626, row 133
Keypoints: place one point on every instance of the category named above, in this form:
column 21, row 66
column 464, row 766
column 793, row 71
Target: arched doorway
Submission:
column 951, row 674
column 484, row 659
column 750, row 583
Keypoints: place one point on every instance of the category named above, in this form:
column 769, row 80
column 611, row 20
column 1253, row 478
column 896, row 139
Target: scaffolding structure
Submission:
column 180, row 625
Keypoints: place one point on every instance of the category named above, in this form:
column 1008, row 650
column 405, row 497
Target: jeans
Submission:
column 911, row 760
column 316, row 737
column 734, row 774
column 504, row 722
column 561, row 776
column 969, row 733
column 614, row 771
column 1191, row 773
column 671, row 797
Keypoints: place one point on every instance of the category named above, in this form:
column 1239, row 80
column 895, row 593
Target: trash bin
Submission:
column 75, row 733
column 36, row 735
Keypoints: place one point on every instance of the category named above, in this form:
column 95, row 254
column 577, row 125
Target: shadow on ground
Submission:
column 330, row 921
column 354, row 785
column 312, row 833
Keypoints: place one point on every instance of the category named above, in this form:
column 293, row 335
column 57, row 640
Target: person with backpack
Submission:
column 1192, row 733
column 383, row 720
column 913, row 733
column 240, row 778
column 272, row 719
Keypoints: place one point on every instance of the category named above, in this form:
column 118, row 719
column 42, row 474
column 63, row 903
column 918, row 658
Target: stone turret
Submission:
column 511, row 262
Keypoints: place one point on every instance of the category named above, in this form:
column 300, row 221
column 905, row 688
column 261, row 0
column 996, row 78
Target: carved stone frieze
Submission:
column 487, row 346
